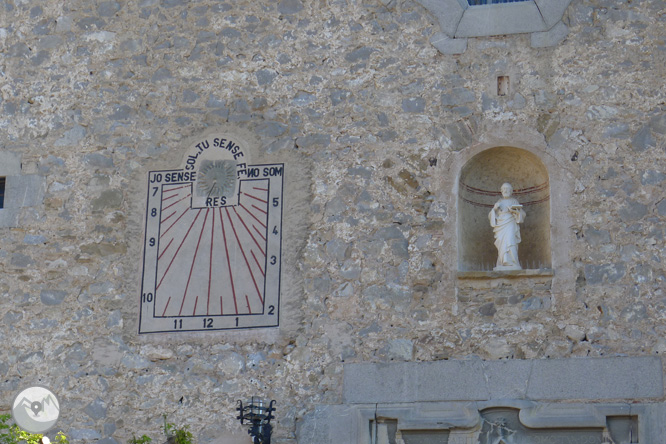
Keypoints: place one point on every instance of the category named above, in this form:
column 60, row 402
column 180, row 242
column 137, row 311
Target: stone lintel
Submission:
column 477, row 380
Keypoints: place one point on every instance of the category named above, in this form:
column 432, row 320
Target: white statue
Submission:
column 504, row 218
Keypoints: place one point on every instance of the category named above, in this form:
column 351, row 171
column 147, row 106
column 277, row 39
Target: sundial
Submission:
column 213, row 241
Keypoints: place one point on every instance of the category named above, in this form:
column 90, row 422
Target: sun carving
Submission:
column 217, row 178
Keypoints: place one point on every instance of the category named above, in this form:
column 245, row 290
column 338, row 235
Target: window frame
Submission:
column 459, row 20
column 492, row 2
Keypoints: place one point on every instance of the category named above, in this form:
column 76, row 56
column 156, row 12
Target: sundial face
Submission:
column 213, row 242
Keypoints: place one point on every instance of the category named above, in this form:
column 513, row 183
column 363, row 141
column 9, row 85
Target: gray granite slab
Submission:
column 477, row 380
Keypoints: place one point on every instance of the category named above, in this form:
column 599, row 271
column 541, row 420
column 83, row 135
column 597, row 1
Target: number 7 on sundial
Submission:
column 213, row 243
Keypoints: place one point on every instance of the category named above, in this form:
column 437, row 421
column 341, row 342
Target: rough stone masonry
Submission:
column 374, row 125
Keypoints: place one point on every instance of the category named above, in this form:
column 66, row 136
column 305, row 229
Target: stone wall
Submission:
column 375, row 124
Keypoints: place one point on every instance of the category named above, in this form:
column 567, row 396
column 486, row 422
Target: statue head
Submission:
column 506, row 190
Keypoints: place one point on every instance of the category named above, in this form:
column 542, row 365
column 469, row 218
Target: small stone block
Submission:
column 328, row 424
column 10, row 163
column 24, row 191
column 9, row 217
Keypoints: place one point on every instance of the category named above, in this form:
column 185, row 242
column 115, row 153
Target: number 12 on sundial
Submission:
column 212, row 247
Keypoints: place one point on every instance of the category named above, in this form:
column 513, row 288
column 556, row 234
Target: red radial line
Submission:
column 166, row 306
column 257, row 208
column 257, row 262
column 167, row 218
column 247, row 300
column 176, row 202
column 231, row 276
column 170, row 197
column 254, row 281
column 165, row 249
column 259, row 232
column 249, row 232
column 256, row 198
column 255, row 217
column 178, row 188
column 178, row 250
column 175, row 192
column 210, row 262
column 194, row 259
column 260, row 189
column 175, row 222
column 196, row 301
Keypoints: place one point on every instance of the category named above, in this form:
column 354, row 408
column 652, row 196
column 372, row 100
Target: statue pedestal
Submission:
column 523, row 273
column 507, row 268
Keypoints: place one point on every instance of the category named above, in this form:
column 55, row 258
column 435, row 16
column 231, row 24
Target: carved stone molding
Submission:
column 459, row 21
column 579, row 400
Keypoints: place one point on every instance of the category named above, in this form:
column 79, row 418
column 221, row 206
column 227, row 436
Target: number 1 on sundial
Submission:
column 213, row 241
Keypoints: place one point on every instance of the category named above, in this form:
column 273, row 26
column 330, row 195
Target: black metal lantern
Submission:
column 257, row 413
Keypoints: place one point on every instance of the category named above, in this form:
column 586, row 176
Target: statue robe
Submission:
column 507, row 234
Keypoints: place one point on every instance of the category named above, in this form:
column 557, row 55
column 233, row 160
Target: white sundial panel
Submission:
column 212, row 248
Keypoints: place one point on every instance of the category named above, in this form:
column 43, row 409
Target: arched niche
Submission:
column 478, row 190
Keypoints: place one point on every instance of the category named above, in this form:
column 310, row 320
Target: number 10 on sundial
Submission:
column 212, row 246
